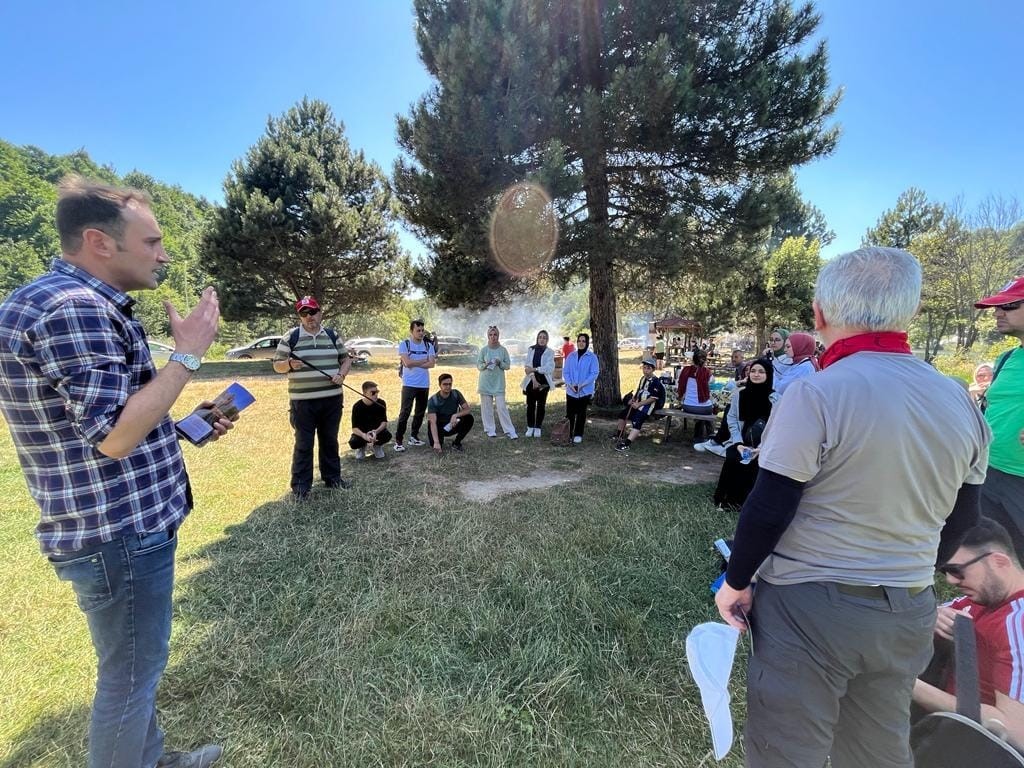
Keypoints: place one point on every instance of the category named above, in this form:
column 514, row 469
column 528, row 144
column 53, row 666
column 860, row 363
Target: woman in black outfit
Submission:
column 750, row 408
column 540, row 369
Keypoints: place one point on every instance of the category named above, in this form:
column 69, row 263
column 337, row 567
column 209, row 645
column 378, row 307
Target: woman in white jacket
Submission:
column 539, row 366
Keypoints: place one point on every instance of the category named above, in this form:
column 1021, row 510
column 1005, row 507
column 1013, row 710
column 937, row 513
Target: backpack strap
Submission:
column 999, row 364
column 293, row 339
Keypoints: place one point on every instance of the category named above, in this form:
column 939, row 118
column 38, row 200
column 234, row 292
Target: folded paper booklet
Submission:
column 197, row 427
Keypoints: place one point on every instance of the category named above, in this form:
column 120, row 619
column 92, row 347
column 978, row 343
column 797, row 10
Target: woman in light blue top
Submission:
column 492, row 363
column 579, row 372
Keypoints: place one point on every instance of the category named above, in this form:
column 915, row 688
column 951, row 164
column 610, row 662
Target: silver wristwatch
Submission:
column 189, row 361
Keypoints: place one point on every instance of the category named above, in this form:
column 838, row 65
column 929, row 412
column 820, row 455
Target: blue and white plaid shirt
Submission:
column 70, row 357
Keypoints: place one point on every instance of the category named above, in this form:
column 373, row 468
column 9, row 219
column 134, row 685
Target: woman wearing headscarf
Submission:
column 982, row 380
column 540, row 369
column 492, row 362
column 799, row 349
column 750, row 408
column 777, row 343
column 579, row 372
column 694, row 390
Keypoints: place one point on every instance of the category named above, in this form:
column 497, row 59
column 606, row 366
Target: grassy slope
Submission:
column 399, row 623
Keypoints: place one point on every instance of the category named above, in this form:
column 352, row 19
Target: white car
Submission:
column 632, row 342
column 372, row 345
column 263, row 348
column 160, row 353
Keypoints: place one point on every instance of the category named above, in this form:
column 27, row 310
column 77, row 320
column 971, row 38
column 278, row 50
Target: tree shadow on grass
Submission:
column 399, row 625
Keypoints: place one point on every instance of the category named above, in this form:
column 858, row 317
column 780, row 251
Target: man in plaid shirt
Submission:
column 88, row 413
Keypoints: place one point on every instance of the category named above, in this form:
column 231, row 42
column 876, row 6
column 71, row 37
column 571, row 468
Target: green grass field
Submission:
column 439, row 613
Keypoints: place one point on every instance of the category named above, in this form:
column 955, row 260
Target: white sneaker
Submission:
column 399, row 448
column 700, row 447
column 360, row 454
column 490, row 434
column 536, row 431
column 512, row 436
column 577, row 439
column 378, row 452
column 415, row 441
column 715, row 448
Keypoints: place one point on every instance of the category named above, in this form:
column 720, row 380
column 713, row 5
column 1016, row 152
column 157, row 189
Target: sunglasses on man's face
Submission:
column 309, row 312
column 373, row 392
column 956, row 570
column 1009, row 307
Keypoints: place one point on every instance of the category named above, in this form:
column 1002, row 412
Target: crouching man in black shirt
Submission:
column 369, row 423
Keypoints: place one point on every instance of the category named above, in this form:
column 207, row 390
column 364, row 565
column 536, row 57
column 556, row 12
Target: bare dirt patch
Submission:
column 485, row 490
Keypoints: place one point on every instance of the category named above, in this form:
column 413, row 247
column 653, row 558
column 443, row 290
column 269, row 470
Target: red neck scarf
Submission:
column 874, row 341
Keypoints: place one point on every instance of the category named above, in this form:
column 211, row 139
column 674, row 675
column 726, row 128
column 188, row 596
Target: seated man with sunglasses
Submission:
column 1002, row 495
column 369, row 423
column 986, row 571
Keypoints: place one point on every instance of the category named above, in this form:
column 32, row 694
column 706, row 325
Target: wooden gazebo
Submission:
column 673, row 324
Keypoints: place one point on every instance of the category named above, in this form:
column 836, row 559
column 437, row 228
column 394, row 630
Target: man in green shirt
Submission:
column 447, row 414
column 1002, row 496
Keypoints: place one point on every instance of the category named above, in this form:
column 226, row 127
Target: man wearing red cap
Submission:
column 1002, row 496
column 316, row 362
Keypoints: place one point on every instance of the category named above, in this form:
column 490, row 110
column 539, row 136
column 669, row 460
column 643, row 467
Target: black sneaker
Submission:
column 623, row 446
column 300, row 496
column 339, row 483
column 200, row 758
column 457, row 447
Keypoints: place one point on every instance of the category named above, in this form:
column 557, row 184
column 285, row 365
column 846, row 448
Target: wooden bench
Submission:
column 667, row 414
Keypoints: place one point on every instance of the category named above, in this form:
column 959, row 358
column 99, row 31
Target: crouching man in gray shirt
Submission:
column 861, row 465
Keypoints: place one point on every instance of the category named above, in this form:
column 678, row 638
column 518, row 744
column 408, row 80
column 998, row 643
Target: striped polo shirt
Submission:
column 318, row 350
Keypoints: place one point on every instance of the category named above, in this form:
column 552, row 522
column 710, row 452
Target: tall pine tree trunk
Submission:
column 603, row 308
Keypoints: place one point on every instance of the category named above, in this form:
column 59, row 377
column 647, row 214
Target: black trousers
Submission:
column 536, row 402
column 317, row 419
column 576, row 413
column 459, row 431
column 419, row 395
column 355, row 441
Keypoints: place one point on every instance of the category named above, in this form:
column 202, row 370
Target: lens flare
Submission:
column 524, row 230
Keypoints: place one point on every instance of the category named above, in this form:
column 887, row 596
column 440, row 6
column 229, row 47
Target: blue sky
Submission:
column 932, row 89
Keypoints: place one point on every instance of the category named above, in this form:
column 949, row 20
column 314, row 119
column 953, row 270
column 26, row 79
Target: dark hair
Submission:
column 443, row 378
column 989, row 534
column 416, row 324
column 84, row 204
column 583, row 336
column 369, row 385
column 699, row 357
column 565, row 338
column 537, row 337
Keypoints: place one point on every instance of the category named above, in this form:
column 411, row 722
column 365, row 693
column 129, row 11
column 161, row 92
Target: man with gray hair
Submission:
column 845, row 525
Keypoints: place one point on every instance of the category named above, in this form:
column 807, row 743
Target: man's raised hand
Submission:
column 194, row 334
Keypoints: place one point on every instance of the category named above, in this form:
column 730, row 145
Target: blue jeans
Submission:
column 124, row 588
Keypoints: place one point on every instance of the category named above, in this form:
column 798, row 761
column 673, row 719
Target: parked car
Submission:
column 373, row 345
column 632, row 342
column 453, row 345
column 516, row 346
column 261, row 349
column 160, row 353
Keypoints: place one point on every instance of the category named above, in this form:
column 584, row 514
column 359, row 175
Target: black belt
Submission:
column 877, row 591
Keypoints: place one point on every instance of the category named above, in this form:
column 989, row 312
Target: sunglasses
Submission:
column 956, row 570
column 1009, row 307
column 373, row 392
column 309, row 312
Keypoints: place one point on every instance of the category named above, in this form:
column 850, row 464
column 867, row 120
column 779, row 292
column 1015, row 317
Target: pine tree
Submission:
column 651, row 123
column 304, row 214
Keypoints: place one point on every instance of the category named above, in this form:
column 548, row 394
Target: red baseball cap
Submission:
column 306, row 302
column 1012, row 291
